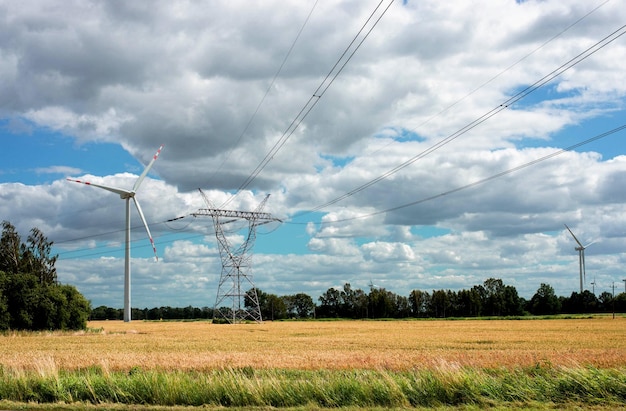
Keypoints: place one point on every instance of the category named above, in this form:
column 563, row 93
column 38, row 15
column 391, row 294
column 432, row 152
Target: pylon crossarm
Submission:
column 246, row 215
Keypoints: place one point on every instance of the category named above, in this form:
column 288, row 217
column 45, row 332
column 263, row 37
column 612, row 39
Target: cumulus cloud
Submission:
column 365, row 177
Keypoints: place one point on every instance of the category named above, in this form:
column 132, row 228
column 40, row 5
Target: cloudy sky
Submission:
column 414, row 144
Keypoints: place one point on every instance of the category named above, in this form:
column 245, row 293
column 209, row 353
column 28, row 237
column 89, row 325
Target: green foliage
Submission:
column 30, row 296
column 272, row 306
column 545, row 301
column 554, row 387
column 577, row 303
column 493, row 298
column 299, row 305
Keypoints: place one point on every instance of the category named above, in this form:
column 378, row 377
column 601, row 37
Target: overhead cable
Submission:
column 341, row 63
column 503, row 106
column 545, row 43
column 269, row 88
column 478, row 182
column 363, row 216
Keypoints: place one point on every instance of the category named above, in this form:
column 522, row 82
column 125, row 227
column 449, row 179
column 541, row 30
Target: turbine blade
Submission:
column 570, row 231
column 146, row 170
column 145, row 224
column 122, row 193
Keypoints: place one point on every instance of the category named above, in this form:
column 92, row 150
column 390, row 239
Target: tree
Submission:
column 469, row 303
column 30, row 297
column 419, row 301
column 579, row 303
column 22, row 292
column 5, row 317
column 348, row 302
column 272, row 306
column 605, row 301
column 494, row 296
column 330, row 303
column 299, row 305
column 383, row 303
column 439, row 304
column 620, row 303
column 403, row 308
column 37, row 259
column 10, row 244
column 545, row 301
column 77, row 308
column 512, row 301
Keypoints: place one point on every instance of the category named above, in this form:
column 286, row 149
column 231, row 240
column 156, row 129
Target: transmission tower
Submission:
column 230, row 303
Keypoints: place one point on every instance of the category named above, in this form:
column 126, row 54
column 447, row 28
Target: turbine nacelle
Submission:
column 127, row 195
column 581, row 258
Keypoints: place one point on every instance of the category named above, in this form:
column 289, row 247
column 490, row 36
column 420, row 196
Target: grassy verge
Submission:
column 248, row 387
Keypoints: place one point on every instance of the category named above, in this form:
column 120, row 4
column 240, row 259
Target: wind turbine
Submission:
column 593, row 284
column 127, row 195
column 581, row 257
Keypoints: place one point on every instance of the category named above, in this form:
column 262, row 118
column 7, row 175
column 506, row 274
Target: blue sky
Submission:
column 31, row 157
column 91, row 90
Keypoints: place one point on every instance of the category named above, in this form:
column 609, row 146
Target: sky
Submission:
column 411, row 144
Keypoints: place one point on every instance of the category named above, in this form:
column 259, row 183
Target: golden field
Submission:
column 385, row 345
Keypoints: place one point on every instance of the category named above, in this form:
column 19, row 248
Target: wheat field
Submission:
column 323, row 345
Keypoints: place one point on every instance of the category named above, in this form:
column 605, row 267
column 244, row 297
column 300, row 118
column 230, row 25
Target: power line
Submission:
column 389, row 210
column 504, row 105
column 492, row 78
column 293, row 44
column 601, row 44
column 475, row 183
column 346, row 56
column 545, row 43
column 158, row 240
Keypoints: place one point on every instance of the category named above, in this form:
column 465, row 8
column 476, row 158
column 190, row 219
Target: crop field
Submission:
column 389, row 345
column 542, row 364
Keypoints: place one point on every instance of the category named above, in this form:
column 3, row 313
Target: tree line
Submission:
column 31, row 298
column 493, row 298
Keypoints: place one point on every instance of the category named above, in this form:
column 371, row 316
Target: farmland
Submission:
column 330, row 354
column 391, row 345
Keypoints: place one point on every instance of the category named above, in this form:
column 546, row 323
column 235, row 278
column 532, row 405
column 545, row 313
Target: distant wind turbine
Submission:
column 581, row 257
column 127, row 195
column 593, row 284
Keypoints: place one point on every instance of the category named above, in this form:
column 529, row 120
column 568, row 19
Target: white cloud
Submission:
column 191, row 76
column 66, row 170
column 384, row 251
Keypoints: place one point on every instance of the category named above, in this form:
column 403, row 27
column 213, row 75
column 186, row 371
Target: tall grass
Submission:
column 245, row 387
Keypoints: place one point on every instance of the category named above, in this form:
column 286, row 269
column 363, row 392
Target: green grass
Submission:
column 247, row 387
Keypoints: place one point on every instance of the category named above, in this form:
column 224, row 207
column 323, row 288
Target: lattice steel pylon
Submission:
column 236, row 263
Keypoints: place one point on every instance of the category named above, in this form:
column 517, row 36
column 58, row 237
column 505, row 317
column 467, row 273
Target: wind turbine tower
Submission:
column 235, row 276
column 581, row 257
column 127, row 195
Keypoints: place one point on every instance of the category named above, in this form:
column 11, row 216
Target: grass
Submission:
column 471, row 364
column 300, row 388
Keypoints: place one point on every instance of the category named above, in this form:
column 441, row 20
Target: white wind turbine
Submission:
column 127, row 195
column 581, row 257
